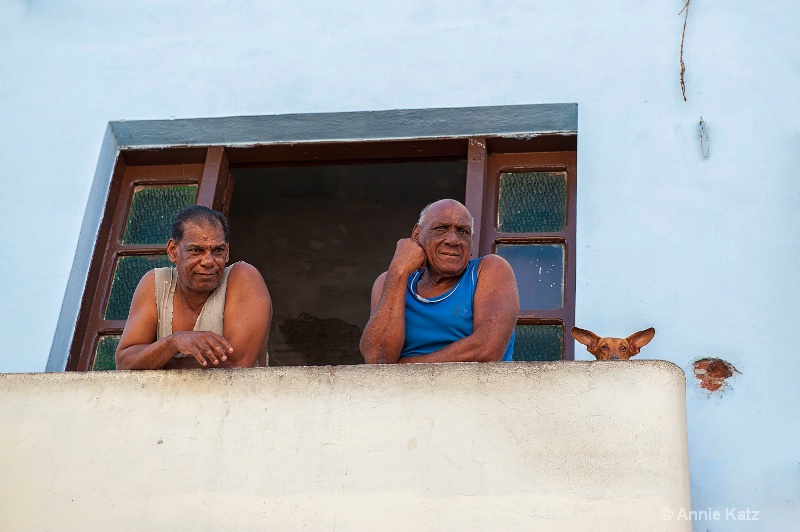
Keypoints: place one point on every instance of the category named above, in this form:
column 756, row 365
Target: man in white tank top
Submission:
column 199, row 314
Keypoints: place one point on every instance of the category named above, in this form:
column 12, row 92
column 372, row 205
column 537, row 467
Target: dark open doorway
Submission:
column 320, row 235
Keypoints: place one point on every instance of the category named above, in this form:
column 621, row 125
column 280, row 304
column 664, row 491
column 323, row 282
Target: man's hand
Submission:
column 205, row 346
column 408, row 258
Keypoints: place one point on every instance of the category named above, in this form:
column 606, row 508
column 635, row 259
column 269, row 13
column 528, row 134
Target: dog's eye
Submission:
column 604, row 347
column 623, row 348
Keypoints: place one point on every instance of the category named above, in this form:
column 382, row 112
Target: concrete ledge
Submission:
column 508, row 120
column 555, row 446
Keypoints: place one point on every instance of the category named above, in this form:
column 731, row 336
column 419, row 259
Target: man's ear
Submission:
column 587, row 338
column 415, row 233
column 640, row 339
column 172, row 250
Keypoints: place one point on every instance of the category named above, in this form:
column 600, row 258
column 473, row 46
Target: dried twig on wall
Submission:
column 683, row 36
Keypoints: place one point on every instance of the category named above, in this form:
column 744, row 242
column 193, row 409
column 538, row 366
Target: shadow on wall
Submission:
column 322, row 341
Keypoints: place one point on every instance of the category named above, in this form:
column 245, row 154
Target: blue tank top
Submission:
column 432, row 324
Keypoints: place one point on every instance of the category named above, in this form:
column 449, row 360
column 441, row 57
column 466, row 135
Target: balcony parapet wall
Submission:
column 503, row 446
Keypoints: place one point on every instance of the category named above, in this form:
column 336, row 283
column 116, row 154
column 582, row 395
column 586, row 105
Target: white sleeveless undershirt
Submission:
column 211, row 315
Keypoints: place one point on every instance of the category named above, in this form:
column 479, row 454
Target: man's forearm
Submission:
column 473, row 348
column 378, row 345
column 384, row 333
column 207, row 348
column 147, row 356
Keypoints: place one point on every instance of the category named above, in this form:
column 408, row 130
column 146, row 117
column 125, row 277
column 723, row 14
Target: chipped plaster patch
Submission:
column 713, row 373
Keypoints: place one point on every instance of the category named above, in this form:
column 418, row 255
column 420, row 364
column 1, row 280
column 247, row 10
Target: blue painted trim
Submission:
column 522, row 121
column 65, row 329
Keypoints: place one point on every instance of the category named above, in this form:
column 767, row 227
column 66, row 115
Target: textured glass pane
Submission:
column 539, row 269
column 532, row 202
column 538, row 342
column 129, row 272
column 152, row 210
column 104, row 358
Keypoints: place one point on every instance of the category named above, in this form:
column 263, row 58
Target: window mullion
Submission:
column 214, row 181
column 476, row 179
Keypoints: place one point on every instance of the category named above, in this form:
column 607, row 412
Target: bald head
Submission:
column 445, row 203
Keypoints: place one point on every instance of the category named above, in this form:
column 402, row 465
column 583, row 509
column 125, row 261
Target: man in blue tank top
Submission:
column 434, row 304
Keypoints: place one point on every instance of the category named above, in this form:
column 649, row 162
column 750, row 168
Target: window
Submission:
column 320, row 219
column 529, row 219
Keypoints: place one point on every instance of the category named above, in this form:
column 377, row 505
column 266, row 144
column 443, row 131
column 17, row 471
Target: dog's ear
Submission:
column 640, row 339
column 587, row 338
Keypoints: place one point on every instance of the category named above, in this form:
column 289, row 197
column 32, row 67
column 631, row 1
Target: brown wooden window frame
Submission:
column 485, row 193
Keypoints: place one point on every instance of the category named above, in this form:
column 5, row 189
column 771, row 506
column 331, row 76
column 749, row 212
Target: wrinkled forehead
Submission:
column 450, row 213
column 203, row 233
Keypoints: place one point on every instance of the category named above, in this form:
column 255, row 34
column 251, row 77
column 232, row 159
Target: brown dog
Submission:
column 613, row 348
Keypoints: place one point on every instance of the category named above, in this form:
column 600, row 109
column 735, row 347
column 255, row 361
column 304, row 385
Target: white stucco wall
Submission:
column 702, row 249
column 434, row 447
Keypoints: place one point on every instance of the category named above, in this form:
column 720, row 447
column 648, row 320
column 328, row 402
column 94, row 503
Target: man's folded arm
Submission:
column 495, row 312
